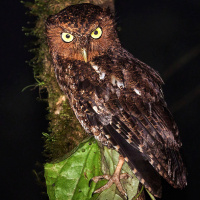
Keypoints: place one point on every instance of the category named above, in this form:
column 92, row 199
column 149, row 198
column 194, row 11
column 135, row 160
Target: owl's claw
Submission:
column 90, row 181
column 126, row 196
column 115, row 178
column 98, row 178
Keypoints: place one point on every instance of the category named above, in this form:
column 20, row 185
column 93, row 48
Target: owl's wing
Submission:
column 134, row 117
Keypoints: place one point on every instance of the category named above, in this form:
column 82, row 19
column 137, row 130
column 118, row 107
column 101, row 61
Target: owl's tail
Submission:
column 176, row 169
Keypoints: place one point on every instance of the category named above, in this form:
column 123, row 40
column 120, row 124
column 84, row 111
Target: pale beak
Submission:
column 84, row 54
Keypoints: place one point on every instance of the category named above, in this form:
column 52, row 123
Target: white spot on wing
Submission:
column 114, row 81
column 120, row 84
column 95, row 109
column 137, row 91
column 102, row 75
column 95, row 67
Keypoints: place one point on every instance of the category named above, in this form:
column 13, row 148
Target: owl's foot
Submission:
column 115, row 178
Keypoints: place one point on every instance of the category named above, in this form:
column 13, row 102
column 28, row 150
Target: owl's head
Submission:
column 81, row 32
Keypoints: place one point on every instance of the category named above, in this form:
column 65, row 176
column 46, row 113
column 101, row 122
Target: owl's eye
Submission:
column 96, row 34
column 67, row 37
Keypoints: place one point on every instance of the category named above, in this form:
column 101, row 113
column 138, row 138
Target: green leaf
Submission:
column 69, row 179
column 109, row 162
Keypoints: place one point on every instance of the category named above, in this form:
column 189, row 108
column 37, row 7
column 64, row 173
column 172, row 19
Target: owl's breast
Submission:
column 80, row 76
column 86, row 87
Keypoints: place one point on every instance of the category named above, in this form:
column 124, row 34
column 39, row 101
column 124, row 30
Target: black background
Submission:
column 162, row 34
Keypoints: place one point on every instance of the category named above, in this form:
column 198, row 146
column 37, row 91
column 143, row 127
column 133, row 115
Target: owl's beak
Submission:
column 84, row 54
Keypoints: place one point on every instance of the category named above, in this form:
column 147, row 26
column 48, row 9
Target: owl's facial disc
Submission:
column 81, row 33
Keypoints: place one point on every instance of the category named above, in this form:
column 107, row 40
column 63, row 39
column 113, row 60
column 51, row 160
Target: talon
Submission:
column 90, row 181
column 126, row 196
column 115, row 178
column 93, row 194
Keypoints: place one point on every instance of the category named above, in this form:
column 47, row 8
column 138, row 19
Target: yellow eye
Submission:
column 67, row 37
column 96, row 34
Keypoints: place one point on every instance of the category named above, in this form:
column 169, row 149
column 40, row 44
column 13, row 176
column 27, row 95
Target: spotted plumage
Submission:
column 115, row 97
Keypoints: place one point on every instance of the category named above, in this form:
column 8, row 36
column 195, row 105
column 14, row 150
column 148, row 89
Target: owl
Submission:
column 116, row 97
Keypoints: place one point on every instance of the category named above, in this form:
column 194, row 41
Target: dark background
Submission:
column 163, row 34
